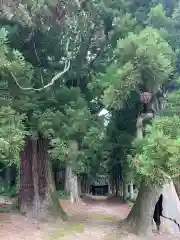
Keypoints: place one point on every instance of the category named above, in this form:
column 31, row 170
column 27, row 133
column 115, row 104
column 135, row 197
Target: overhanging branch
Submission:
column 55, row 78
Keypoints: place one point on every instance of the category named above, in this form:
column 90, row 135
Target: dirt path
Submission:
column 106, row 216
column 92, row 220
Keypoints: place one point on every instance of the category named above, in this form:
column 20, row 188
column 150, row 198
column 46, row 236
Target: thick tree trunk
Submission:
column 131, row 191
column 26, row 191
column 79, row 187
column 71, row 176
column 36, row 201
column 37, row 197
column 112, row 187
column 72, row 184
column 139, row 220
column 117, row 186
column 125, row 191
column 109, row 188
column 18, row 180
column 74, row 194
column 67, row 179
column 121, row 190
column 87, row 187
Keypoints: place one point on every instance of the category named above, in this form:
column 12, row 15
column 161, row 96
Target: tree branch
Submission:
column 139, row 124
column 55, row 78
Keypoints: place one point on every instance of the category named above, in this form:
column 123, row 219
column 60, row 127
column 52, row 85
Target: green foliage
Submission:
column 120, row 134
column 12, row 61
column 12, row 135
column 81, row 146
column 144, row 59
column 157, row 16
column 95, row 150
column 34, row 48
column 173, row 105
column 66, row 128
column 157, row 154
column 113, row 46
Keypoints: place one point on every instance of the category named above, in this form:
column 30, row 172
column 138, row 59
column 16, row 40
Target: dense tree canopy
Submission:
column 62, row 63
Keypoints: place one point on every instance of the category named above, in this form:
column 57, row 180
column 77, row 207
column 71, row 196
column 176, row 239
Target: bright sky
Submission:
column 103, row 112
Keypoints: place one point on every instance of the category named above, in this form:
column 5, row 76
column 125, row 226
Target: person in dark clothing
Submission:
column 158, row 212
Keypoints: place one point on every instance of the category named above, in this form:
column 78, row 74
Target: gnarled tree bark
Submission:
column 37, row 196
column 139, row 221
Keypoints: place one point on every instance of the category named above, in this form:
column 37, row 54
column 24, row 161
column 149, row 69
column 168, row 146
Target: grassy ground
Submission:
column 92, row 220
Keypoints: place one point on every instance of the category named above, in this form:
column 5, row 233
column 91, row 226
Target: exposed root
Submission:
column 125, row 228
column 129, row 229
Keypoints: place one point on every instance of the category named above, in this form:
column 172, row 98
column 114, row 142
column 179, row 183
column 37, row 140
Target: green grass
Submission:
column 77, row 227
column 69, row 228
column 73, row 227
column 56, row 235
